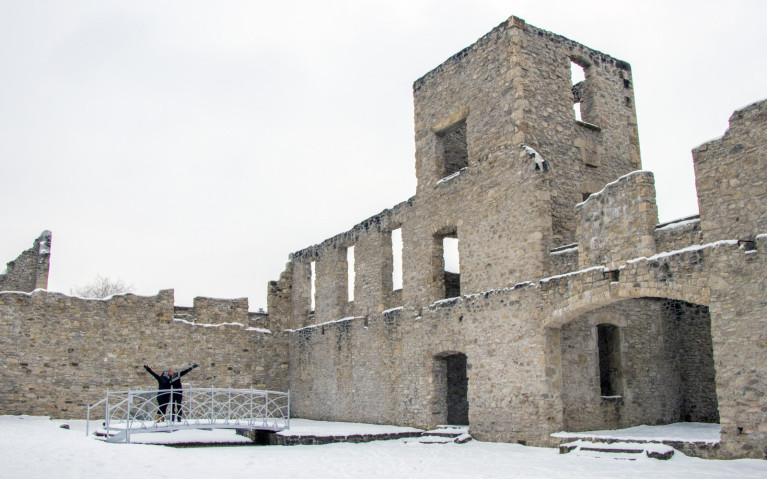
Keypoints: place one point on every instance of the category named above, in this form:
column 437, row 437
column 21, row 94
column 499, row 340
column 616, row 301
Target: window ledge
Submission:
column 451, row 176
column 590, row 126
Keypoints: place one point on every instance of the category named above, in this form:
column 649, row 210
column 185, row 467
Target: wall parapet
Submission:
column 60, row 352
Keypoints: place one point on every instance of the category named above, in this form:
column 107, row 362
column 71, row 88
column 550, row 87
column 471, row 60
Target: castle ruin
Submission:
column 571, row 308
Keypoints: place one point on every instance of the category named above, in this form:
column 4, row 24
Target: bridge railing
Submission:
column 139, row 411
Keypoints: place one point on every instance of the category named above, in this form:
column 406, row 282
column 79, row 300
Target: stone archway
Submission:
column 637, row 361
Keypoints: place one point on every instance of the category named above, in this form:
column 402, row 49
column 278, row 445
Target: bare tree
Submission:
column 101, row 287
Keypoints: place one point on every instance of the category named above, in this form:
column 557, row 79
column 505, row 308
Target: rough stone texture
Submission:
column 739, row 329
column 544, row 259
column 29, row 271
column 59, row 353
column 678, row 234
column 667, row 364
column 731, row 178
column 618, row 223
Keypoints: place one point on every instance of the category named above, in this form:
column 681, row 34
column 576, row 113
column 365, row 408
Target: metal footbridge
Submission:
column 133, row 412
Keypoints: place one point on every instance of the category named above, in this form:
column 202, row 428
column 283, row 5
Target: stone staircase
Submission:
column 444, row 435
column 622, row 450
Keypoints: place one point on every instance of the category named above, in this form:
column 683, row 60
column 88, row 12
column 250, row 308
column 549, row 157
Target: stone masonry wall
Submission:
column 30, row 270
column 731, row 178
column 739, row 333
column 508, row 92
column 678, row 234
column 388, row 368
column 503, row 166
column 618, row 223
column 59, row 353
column 667, row 366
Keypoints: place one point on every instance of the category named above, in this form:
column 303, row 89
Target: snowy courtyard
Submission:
column 37, row 447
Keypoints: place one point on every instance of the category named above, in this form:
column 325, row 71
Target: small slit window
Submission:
column 610, row 375
column 452, row 272
column 313, row 287
column 396, row 250
column 350, row 273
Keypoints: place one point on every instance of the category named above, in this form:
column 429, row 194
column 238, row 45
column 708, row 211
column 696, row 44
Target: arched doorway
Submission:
column 638, row 361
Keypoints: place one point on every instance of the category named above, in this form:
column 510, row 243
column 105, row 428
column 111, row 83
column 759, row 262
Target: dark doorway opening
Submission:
column 456, row 389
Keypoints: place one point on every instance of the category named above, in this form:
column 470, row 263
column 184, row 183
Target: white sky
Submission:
column 193, row 145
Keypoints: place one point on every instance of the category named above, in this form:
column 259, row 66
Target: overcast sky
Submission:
column 193, row 145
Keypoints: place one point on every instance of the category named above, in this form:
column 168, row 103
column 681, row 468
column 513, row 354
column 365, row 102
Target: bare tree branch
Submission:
column 101, row 287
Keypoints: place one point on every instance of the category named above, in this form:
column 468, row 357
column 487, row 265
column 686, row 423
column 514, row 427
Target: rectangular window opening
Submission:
column 610, row 373
column 452, row 273
column 350, row 273
column 453, row 149
column 577, row 111
column 396, row 250
column 313, row 288
column 578, row 79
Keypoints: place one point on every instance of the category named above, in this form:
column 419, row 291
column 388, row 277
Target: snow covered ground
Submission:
column 36, row 447
column 682, row 431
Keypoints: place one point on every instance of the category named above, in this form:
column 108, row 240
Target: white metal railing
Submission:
column 127, row 412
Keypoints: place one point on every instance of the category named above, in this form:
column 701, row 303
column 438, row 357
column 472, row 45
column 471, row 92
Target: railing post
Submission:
column 128, row 419
column 212, row 395
column 106, row 416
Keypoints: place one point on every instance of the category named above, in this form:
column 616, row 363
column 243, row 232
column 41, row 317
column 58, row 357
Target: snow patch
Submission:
column 677, row 224
column 691, row 432
column 450, row 177
column 564, row 250
column 666, row 254
column 612, row 183
column 348, row 318
column 205, row 325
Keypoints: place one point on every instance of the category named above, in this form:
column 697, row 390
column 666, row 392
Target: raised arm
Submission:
column 149, row 370
column 195, row 365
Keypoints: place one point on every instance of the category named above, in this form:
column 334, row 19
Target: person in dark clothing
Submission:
column 164, row 382
column 177, row 394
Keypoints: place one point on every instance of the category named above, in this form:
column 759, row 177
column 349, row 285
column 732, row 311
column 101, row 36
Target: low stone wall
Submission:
column 59, row 353
column 678, row 234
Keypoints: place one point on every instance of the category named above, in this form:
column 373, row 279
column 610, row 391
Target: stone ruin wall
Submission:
column 30, row 270
column 690, row 314
column 383, row 367
column 506, row 214
column 60, row 353
column 731, row 179
column 512, row 88
column 667, row 361
column 540, row 269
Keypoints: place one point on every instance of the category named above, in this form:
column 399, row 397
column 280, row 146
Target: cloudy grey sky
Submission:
column 193, row 145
